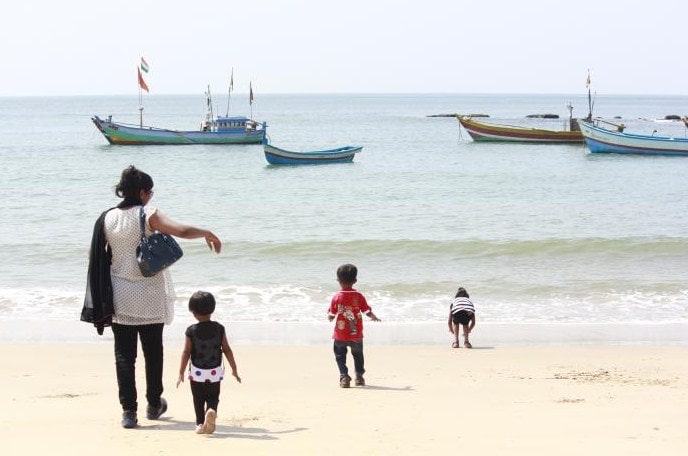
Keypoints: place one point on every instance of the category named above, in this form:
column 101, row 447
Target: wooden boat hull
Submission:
column 481, row 131
column 601, row 140
column 276, row 156
column 123, row 134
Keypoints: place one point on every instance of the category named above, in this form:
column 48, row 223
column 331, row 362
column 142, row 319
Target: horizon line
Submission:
column 355, row 94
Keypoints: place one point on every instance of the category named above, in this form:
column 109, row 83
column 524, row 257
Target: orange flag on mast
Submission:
column 142, row 83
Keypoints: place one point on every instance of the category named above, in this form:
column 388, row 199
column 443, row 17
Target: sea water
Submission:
column 540, row 235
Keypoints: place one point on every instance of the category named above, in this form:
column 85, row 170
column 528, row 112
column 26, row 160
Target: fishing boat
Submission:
column 277, row 156
column 213, row 129
column 218, row 130
column 484, row 131
column 605, row 140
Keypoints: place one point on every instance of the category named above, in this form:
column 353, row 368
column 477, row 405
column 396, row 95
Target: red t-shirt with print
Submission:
column 348, row 307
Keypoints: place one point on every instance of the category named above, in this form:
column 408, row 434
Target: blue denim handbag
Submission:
column 156, row 252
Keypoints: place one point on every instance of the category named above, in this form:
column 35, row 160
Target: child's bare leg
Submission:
column 466, row 332
column 455, row 333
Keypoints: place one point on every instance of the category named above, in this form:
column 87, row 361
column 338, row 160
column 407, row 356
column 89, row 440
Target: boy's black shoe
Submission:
column 360, row 381
column 345, row 382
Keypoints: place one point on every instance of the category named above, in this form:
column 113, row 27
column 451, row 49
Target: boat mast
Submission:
column 140, row 101
column 250, row 97
column 209, row 114
column 143, row 66
column 229, row 94
column 587, row 84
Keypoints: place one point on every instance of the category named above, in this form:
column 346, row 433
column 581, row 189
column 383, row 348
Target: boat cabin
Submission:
column 230, row 124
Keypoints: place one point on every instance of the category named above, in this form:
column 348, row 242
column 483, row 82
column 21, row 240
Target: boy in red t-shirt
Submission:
column 347, row 307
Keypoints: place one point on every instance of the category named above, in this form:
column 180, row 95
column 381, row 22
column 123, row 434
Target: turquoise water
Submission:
column 537, row 233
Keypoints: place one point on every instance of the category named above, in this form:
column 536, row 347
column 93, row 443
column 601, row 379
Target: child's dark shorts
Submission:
column 462, row 317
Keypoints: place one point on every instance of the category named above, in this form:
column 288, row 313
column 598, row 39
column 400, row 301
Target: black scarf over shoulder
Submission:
column 98, row 302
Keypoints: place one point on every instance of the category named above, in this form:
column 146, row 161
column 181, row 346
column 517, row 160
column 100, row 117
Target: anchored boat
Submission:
column 213, row 130
column 220, row 130
column 277, row 156
column 603, row 140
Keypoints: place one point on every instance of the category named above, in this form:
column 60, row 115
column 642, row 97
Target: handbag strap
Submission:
column 142, row 220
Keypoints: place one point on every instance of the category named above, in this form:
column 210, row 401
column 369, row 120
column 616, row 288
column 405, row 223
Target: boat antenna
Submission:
column 229, row 94
column 569, row 106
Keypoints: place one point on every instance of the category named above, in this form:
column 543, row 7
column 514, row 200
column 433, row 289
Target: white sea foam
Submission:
column 307, row 305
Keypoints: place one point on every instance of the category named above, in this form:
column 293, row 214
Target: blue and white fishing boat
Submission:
column 603, row 140
column 218, row 130
column 276, row 156
column 213, row 130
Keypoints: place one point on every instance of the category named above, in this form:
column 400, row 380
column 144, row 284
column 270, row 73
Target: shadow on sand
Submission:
column 221, row 432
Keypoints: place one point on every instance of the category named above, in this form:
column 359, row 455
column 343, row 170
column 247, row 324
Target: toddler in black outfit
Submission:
column 206, row 341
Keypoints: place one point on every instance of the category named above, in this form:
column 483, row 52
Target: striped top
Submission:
column 461, row 303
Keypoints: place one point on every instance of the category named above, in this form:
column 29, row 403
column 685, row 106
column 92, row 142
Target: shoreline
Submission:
column 418, row 399
column 382, row 333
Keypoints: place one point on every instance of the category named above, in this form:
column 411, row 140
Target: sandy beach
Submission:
column 61, row 399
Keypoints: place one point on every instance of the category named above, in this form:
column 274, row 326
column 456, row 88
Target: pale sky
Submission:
column 86, row 47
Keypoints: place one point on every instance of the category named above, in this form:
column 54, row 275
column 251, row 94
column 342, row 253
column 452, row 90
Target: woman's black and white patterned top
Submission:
column 138, row 300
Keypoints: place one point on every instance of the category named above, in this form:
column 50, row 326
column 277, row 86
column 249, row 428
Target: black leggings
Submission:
column 126, row 347
column 204, row 393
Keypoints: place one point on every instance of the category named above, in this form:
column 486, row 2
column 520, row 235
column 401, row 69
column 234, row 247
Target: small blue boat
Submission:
column 276, row 156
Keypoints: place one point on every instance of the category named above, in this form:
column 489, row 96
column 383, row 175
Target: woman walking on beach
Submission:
column 141, row 306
